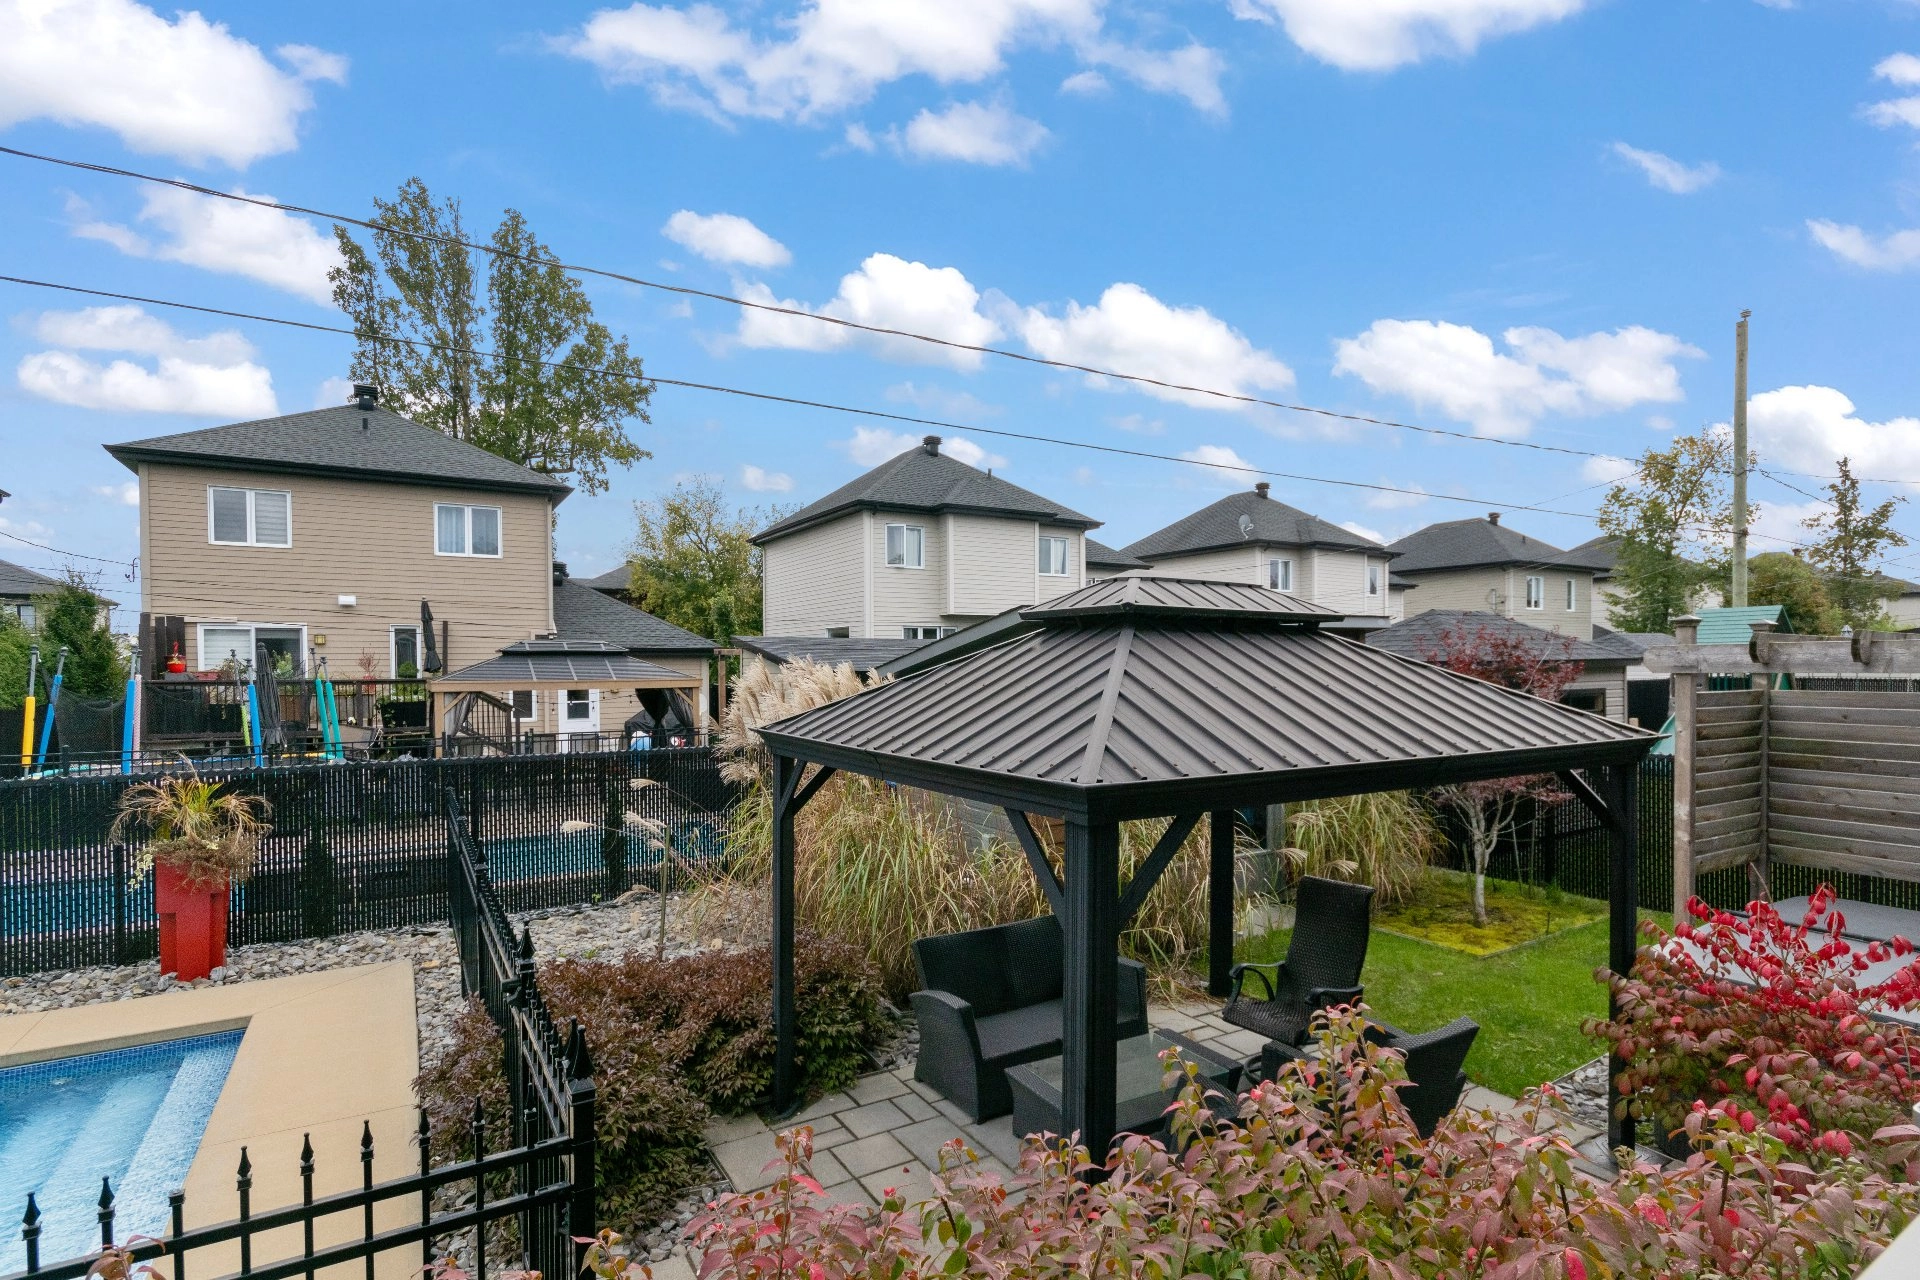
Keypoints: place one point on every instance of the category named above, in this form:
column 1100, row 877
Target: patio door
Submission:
column 579, row 716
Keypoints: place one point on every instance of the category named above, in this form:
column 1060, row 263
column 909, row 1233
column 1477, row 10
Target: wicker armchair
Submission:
column 991, row 1000
column 1322, row 968
column 1434, row 1059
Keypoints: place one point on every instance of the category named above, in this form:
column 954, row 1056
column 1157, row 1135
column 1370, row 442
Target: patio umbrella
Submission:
column 431, row 664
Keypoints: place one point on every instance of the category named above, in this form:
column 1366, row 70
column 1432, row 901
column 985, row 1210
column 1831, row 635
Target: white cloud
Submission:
column 1409, row 495
column 1219, row 465
column 213, row 375
column 871, row 446
column 1379, row 35
column 989, row 133
column 1372, row 535
column 1088, row 83
column 1807, row 428
column 1903, row 70
column 127, row 495
column 1131, row 331
column 941, row 400
column 188, row 88
column 1456, row 369
column 274, row 247
column 1138, row 424
column 1606, row 470
column 859, row 137
column 762, row 481
column 331, row 392
column 1659, row 422
column 1895, row 251
column 832, row 55
column 888, row 292
column 1668, row 174
column 725, row 237
column 1779, row 527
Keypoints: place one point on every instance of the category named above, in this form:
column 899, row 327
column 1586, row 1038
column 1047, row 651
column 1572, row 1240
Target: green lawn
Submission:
column 1529, row 1001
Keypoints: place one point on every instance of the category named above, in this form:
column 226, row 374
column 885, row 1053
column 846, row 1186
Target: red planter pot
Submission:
column 193, row 925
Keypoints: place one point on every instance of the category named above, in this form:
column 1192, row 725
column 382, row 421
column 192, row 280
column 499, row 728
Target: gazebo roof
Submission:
column 568, row 663
column 1123, row 705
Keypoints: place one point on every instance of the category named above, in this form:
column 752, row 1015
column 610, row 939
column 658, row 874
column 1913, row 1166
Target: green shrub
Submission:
column 671, row 1040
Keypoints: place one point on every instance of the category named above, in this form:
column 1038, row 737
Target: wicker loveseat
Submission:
column 990, row 1000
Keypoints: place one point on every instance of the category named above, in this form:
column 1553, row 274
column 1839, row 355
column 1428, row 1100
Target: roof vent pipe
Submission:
column 931, row 444
column 1260, row 488
column 365, row 395
column 1493, row 517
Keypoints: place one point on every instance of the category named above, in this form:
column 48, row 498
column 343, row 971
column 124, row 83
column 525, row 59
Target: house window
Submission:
column 1373, row 579
column 406, row 652
column 1594, row 700
column 25, row 613
column 466, row 531
column 1573, row 596
column 906, row 546
column 925, row 633
column 1536, row 593
column 1053, row 556
column 1280, row 574
column 526, row 704
column 839, row 633
column 238, row 643
column 249, row 517
column 579, row 706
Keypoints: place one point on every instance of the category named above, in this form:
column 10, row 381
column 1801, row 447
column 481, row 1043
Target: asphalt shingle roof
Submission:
column 1102, row 556
column 18, row 580
column 581, row 613
column 1467, row 544
column 1420, row 635
column 374, row 444
column 617, row 578
column 865, row 653
column 1599, row 554
column 1218, row 525
column 923, row 479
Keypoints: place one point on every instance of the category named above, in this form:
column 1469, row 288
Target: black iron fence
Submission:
column 355, row 845
column 546, row 1166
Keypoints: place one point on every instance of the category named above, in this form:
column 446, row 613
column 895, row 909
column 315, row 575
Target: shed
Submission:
column 1146, row 697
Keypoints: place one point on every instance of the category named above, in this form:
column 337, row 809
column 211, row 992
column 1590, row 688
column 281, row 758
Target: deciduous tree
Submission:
column 1674, row 519
column 693, row 561
column 74, row 617
column 1852, row 540
column 1782, row 578
column 526, row 373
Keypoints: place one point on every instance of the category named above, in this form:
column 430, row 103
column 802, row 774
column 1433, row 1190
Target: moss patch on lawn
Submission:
column 1441, row 912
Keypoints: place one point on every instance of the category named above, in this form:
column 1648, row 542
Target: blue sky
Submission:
column 1523, row 219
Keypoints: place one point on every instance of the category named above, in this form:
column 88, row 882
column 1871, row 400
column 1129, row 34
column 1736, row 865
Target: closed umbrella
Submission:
column 431, row 651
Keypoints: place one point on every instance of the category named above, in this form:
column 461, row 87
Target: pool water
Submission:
column 133, row 1116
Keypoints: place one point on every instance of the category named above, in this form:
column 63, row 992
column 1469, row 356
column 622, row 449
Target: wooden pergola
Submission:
column 1144, row 697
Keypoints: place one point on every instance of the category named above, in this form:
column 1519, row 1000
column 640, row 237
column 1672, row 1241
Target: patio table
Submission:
column 1141, row 1097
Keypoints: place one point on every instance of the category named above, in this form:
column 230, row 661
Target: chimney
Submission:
column 1260, row 488
column 931, row 444
column 559, row 570
column 365, row 395
column 1493, row 517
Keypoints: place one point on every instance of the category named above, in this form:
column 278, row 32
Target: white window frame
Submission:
column 1280, row 573
column 25, row 612
column 1375, row 578
column 1536, row 595
column 1573, row 594
column 886, row 550
column 532, row 715
column 466, row 531
column 1066, row 555
column 252, row 539
column 253, row 630
column 929, row 632
column 393, row 650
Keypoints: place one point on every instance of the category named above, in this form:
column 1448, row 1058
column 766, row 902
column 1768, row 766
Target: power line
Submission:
column 797, row 312
column 780, row 399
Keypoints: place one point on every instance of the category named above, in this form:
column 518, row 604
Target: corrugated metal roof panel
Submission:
column 1734, row 626
column 1196, row 599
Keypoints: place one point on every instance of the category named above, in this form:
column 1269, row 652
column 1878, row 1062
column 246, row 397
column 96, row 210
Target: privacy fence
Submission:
column 355, row 845
column 538, row 1175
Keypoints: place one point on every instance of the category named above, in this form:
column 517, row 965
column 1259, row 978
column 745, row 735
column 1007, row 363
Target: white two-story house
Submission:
column 918, row 547
column 1254, row 538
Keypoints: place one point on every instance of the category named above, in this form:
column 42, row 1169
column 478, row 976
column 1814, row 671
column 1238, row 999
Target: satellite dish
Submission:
column 1246, row 526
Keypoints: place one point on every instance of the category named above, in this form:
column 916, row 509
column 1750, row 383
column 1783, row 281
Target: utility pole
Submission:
column 1737, row 596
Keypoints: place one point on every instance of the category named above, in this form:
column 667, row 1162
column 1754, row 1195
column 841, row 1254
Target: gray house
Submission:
column 18, row 586
column 1601, row 686
column 1486, row 566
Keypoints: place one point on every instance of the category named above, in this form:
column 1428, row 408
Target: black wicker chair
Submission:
column 1331, row 923
column 1434, row 1059
column 991, row 1000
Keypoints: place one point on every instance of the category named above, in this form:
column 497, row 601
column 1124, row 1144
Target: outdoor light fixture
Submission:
column 347, row 602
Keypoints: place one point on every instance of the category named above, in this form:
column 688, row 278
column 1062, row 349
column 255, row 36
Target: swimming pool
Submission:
column 134, row 1116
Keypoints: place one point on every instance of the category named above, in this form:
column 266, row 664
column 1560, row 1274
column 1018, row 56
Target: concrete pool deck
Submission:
column 323, row 1053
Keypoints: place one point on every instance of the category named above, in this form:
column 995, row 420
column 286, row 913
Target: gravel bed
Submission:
column 1585, row 1091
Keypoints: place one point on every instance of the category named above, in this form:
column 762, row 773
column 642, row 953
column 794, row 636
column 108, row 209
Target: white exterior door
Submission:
column 579, row 714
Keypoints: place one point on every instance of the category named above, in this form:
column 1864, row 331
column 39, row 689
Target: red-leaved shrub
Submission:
column 1770, row 1019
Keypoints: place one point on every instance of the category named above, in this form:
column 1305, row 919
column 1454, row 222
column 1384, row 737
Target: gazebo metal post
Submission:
column 1220, row 903
column 1621, row 792
column 1090, row 1000
column 786, row 774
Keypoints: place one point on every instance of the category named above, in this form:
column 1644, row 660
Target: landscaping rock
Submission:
column 1585, row 1091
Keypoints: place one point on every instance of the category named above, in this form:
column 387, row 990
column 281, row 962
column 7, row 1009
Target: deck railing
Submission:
column 548, row 1159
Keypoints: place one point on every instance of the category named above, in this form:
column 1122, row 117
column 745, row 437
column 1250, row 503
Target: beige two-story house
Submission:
column 1254, row 538
column 1484, row 566
column 918, row 547
column 318, row 538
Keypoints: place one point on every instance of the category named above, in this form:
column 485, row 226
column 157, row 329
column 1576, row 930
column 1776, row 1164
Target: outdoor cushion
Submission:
column 1013, row 1036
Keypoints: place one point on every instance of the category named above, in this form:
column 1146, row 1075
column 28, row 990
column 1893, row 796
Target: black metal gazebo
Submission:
column 1142, row 697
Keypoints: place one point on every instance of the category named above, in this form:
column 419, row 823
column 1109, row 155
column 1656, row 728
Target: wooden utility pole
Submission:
column 1737, row 596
